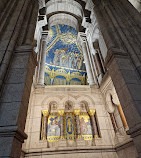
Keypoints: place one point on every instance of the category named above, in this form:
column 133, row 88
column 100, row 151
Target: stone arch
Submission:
column 48, row 100
column 86, row 99
column 110, row 107
column 68, row 98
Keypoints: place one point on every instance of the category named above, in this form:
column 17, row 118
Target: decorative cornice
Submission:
column 13, row 131
column 114, row 53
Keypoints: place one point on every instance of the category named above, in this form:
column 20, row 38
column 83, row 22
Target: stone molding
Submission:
column 62, row 18
column 13, row 131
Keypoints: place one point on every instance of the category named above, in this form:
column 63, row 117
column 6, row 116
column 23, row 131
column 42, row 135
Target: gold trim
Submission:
column 45, row 112
column 61, row 72
column 96, row 136
column 77, row 111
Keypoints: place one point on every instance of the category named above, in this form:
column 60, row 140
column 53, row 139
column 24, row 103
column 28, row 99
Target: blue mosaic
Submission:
column 64, row 53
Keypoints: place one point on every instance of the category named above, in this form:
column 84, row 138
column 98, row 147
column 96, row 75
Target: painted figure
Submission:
column 53, row 127
column 85, row 126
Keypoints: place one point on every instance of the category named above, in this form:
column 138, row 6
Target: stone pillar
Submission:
column 93, row 121
column 18, row 63
column 43, row 58
column 120, row 25
column 98, row 63
column 61, row 113
column 114, row 123
column 82, row 39
column 77, row 112
column 44, row 124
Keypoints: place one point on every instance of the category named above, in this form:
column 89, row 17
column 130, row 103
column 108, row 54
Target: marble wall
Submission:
column 108, row 144
column 42, row 97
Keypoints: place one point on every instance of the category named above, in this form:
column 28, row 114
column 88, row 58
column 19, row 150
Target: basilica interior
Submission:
column 74, row 65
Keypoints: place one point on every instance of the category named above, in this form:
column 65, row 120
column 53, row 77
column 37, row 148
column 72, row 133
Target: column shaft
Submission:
column 61, row 113
column 99, row 65
column 87, row 64
column 78, row 125
column 77, row 112
column 17, row 69
column 119, row 28
column 94, row 126
column 43, row 59
column 93, row 121
column 44, row 136
column 44, row 124
column 122, row 116
column 114, row 122
column 62, row 126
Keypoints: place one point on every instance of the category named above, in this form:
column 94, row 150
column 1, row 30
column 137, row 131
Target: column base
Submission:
column 11, row 139
column 135, row 133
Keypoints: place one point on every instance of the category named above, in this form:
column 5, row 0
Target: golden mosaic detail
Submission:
column 45, row 112
column 91, row 112
column 61, row 112
column 77, row 111
column 69, row 76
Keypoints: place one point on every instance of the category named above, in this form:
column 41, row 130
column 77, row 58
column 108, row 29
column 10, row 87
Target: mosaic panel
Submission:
column 54, row 75
column 53, row 127
column 85, row 126
column 65, row 54
column 70, row 131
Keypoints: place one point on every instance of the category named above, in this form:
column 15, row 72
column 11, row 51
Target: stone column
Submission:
column 120, row 24
column 18, row 63
column 114, row 123
column 77, row 112
column 82, row 40
column 122, row 116
column 43, row 58
column 44, row 124
column 61, row 113
column 93, row 121
column 98, row 63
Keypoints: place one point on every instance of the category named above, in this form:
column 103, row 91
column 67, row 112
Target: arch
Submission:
column 49, row 100
column 87, row 99
column 110, row 107
column 62, row 18
column 68, row 98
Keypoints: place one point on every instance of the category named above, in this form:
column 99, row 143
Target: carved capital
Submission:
column 45, row 112
column 61, row 112
column 45, row 35
column 77, row 111
column 91, row 112
column 81, row 38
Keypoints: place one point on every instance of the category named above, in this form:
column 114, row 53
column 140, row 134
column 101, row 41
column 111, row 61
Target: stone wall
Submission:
column 41, row 98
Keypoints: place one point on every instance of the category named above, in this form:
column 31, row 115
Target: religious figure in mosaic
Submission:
column 53, row 127
column 63, row 52
column 85, row 125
